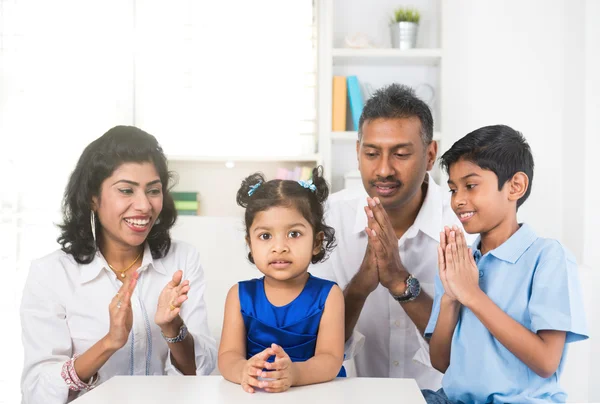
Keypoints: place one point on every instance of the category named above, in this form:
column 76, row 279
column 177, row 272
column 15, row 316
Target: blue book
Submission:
column 355, row 98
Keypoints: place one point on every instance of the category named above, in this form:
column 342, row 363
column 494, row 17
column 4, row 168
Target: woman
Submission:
column 119, row 298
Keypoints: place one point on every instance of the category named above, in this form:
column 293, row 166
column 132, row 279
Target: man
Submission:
column 386, row 259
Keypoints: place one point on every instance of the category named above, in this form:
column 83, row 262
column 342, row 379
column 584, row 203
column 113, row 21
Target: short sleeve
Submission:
column 556, row 301
column 435, row 310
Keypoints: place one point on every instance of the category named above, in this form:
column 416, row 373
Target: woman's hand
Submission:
column 121, row 315
column 169, row 304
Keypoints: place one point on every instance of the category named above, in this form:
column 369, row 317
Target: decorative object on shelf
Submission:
column 358, row 41
column 186, row 203
column 426, row 92
column 404, row 26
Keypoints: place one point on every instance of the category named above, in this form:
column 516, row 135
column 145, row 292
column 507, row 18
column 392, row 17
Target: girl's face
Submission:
column 282, row 243
column 129, row 203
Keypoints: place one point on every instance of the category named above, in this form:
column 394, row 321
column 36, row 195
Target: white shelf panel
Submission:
column 312, row 158
column 386, row 56
column 352, row 136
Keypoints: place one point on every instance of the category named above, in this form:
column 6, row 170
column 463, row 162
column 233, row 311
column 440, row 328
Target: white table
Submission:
column 215, row 389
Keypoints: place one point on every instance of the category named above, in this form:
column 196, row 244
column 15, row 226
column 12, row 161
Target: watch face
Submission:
column 413, row 286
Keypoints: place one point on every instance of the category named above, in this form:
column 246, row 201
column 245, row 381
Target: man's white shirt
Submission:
column 393, row 347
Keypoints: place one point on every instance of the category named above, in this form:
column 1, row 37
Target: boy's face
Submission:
column 393, row 160
column 476, row 200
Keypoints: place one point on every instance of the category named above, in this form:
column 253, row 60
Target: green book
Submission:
column 186, row 205
column 185, row 196
column 187, row 213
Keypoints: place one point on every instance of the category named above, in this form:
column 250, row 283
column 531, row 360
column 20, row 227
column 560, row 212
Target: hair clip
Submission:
column 308, row 184
column 254, row 187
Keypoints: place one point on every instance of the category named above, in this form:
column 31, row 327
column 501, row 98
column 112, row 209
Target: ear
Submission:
column 517, row 186
column 95, row 203
column 431, row 154
column 357, row 151
column 248, row 243
column 318, row 245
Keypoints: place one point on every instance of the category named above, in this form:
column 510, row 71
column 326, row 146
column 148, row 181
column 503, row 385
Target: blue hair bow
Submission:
column 253, row 188
column 308, row 185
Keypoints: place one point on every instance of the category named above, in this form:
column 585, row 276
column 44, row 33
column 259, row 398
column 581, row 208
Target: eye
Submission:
column 264, row 236
column 155, row 191
column 452, row 191
column 126, row 191
column 471, row 186
column 294, row 234
column 401, row 155
column 370, row 154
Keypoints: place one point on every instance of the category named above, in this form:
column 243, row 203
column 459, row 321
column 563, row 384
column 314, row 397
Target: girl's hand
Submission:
column 121, row 315
column 169, row 304
column 253, row 369
column 281, row 370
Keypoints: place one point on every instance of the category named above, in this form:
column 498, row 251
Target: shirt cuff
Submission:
column 205, row 352
column 422, row 354
column 354, row 345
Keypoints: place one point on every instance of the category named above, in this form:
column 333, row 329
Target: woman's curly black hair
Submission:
column 289, row 193
column 121, row 144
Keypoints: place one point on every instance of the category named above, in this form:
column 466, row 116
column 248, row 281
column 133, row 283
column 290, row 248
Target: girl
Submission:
column 287, row 327
column 113, row 300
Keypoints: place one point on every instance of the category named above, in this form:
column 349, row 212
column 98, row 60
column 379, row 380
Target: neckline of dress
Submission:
column 264, row 292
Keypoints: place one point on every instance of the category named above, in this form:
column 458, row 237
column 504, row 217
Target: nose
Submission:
column 459, row 199
column 141, row 202
column 279, row 245
column 385, row 168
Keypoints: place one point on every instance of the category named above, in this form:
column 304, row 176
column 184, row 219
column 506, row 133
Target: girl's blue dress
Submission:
column 294, row 326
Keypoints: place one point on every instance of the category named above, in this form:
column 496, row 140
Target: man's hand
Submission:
column 392, row 274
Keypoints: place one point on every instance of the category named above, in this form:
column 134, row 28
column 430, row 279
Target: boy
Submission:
column 505, row 309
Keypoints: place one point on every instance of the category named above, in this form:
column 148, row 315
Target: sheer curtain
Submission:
column 207, row 78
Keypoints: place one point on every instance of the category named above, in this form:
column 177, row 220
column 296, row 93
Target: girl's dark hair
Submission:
column 121, row 144
column 289, row 193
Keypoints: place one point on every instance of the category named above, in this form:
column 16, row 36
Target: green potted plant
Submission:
column 404, row 26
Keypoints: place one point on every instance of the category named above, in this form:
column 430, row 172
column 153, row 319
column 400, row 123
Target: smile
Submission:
column 465, row 216
column 138, row 224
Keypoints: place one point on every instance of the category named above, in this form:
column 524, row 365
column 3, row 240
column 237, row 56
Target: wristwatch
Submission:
column 183, row 332
column 413, row 289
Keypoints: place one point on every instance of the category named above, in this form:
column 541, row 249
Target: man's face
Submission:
column 393, row 160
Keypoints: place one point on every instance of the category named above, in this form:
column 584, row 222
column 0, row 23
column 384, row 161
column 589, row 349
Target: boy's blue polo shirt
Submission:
column 535, row 281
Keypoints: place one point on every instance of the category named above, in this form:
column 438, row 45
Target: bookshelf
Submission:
column 374, row 67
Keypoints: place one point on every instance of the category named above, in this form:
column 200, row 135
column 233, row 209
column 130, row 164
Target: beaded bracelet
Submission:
column 70, row 377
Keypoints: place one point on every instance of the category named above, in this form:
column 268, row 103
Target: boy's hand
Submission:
column 253, row 369
column 462, row 275
column 280, row 371
column 444, row 235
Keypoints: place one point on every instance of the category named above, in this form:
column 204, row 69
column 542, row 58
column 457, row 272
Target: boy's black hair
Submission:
column 398, row 101
column 121, row 144
column 497, row 148
column 289, row 193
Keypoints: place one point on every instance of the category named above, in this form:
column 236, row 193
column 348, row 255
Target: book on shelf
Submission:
column 339, row 105
column 297, row 173
column 186, row 203
column 355, row 99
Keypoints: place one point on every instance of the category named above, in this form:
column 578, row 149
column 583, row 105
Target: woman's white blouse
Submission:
column 64, row 312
